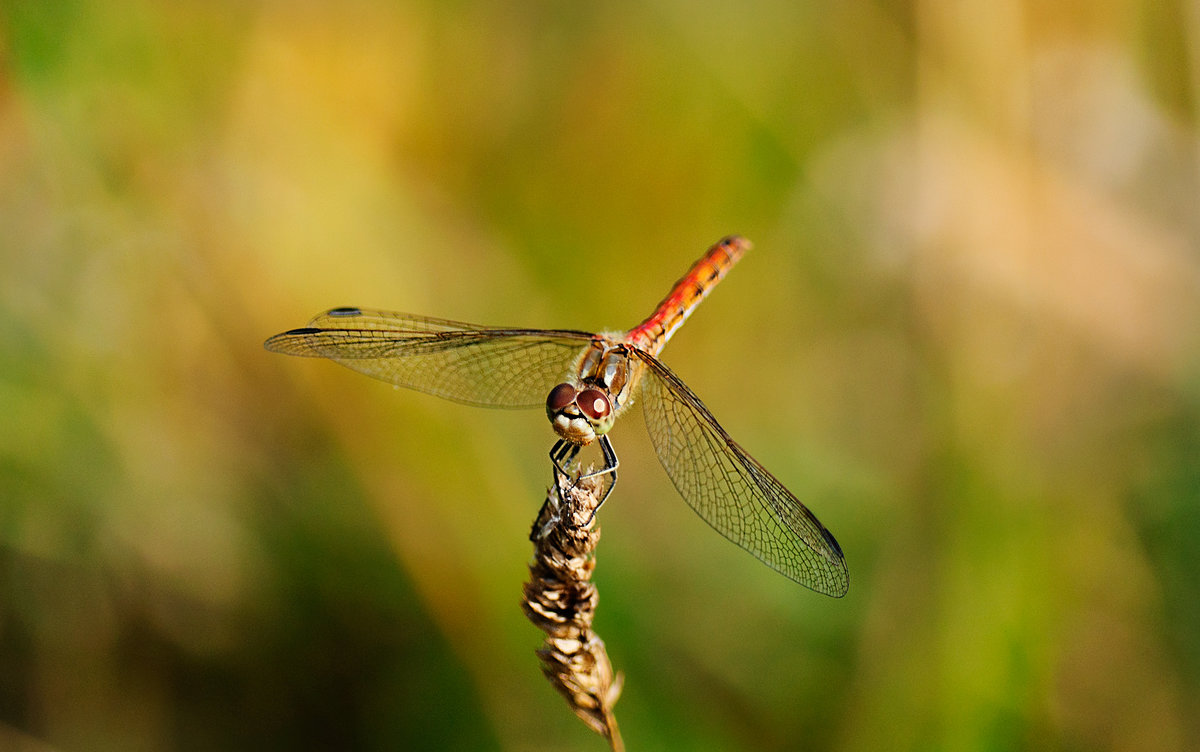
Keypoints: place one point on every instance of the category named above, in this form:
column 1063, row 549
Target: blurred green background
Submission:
column 968, row 337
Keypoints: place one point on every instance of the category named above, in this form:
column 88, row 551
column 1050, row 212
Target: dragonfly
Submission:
column 586, row 381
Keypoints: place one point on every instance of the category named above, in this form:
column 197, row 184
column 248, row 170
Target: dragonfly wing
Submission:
column 731, row 491
column 468, row 363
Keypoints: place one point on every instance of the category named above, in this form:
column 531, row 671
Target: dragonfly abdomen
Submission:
column 693, row 287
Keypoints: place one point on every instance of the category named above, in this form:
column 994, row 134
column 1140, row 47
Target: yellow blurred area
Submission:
column 968, row 338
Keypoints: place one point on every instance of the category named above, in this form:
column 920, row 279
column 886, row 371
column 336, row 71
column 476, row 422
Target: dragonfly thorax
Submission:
column 581, row 411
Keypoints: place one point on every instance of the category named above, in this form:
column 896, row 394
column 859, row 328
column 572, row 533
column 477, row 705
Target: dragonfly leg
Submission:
column 611, row 463
column 563, row 454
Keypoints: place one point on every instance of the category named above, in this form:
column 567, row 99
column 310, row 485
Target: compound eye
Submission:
column 594, row 404
column 560, row 396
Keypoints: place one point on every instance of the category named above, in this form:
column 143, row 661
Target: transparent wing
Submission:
column 463, row 362
column 731, row 491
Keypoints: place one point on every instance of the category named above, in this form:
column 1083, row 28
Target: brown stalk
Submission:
column 560, row 599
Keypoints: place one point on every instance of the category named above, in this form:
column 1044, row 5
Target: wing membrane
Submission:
column 468, row 363
column 731, row 491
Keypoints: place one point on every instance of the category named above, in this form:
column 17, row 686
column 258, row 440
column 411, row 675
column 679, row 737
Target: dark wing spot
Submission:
column 831, row 541
column 346, row 312
column 303, row 330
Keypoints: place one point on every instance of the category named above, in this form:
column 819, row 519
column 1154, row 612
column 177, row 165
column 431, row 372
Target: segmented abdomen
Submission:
column 653, row 333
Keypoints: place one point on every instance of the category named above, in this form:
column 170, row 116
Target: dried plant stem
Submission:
column 561, row 600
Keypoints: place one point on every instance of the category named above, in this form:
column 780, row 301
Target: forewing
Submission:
column 731, row 491
column 467, row 363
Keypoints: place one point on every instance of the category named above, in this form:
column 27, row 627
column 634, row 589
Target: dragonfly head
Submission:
column 579, row 415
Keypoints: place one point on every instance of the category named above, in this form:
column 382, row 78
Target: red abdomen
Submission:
column 653, row 333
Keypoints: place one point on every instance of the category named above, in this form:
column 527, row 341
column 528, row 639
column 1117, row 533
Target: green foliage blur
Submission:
column 968, row 337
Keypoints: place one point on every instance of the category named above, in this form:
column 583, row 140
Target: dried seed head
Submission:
column 560, row 600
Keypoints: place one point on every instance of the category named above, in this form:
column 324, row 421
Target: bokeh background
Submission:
column 968, row 337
